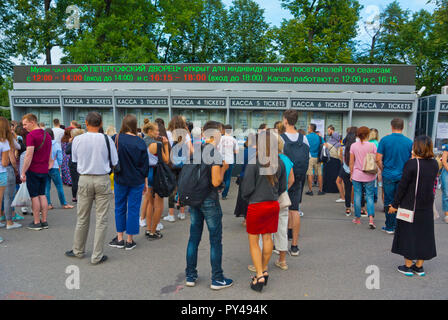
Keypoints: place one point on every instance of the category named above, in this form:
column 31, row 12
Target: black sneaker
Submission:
column 35, row 226
column 71, row 254
column 418, row 271
column 103, row 259
column 294, row 251
column 320, row 193
column 289, row 234
column 130, row 245
column 153, row 236
column 309, row 193
column 44, row 225
column 405, row 270
column 117, row 244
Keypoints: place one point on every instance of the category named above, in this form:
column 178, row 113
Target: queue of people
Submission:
column 151, row 164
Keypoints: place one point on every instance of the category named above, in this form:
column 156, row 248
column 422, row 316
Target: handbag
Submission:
column 369, row 165
column 405, row 214
column 283, row 200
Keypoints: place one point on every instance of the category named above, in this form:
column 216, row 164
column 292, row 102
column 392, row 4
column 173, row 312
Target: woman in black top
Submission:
column 130, row 182
column 416, row 241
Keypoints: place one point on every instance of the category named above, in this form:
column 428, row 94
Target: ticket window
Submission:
column 46, row 115
column 241, row 119
column 442, row 131
column 188, row 114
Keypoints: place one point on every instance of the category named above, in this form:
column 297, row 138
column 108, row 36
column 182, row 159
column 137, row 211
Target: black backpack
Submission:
column 194, row 184
column 164, row 179
column 298, row 152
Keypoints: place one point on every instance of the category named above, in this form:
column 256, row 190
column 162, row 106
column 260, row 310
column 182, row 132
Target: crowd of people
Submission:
column 139, row 168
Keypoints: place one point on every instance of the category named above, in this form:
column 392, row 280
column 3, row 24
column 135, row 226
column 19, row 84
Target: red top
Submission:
column 41, row 157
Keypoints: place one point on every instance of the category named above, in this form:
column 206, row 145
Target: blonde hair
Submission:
column 374, row 135
column 149, row 126
column 111, row 131
column 76, row 132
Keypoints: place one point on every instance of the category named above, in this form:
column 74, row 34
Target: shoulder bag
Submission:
column 369, row 165
column 405, row 214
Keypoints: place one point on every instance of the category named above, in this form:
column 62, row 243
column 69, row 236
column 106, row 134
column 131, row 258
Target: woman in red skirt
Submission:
column 262, row 184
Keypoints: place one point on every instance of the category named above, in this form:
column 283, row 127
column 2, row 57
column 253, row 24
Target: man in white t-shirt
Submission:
column 95, row 155
column 58, row 132
column 228, row 147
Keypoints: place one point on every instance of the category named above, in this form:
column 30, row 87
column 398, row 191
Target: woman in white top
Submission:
column 5, row 136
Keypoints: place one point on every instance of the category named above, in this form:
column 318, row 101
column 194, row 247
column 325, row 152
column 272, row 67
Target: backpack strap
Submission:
column 108, row 151
column 43, row 141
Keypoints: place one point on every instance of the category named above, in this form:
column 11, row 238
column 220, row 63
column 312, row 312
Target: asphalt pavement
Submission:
column 338, row 260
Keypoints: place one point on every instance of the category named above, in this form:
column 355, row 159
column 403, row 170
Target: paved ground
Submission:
column 332, row 263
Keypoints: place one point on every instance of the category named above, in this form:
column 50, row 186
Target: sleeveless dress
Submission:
column 65, row 169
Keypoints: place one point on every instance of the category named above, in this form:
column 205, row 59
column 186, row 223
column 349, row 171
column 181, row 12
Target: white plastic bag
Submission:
column 22, row 198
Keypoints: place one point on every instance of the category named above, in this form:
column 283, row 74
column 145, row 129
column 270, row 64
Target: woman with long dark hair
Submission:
column 416, row 241
column 261, row 187
column 131, row 182
column 344, row 172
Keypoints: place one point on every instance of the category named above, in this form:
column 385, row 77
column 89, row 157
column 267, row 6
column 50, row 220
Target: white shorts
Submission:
column 281, row 236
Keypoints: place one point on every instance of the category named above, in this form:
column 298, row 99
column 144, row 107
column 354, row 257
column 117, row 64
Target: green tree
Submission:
column 33, row 28
column 247, row 34
column 119, row 31
column 203, row 40
column 321, row 31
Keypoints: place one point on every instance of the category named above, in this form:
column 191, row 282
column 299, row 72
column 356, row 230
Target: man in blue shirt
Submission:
column 314, row 166
column 393, row 152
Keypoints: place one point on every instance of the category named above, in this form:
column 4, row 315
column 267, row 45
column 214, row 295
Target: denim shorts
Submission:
column 36, row 183
column 3, row 179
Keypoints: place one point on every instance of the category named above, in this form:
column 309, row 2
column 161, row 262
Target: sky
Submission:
column 274, row 14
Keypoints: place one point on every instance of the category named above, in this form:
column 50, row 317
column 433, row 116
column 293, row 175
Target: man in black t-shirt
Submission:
column 210, row 211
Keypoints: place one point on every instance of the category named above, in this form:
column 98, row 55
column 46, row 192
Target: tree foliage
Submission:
column 321, row 31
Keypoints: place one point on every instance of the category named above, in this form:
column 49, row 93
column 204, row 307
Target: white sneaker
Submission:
column 301, row 213
column 340, row 200
column 169, row 218
column 2, row 225
column 159, row 227
column 142, row 223
column 181, row 216
column 15, row 225
column 24, row 210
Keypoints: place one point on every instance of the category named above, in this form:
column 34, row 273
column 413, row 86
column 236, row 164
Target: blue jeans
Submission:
column 358, row 190
column 444, row 178
column 128, row 200
column 211, row 212
column 227, row 180
column 55, row 175
column 390, row 187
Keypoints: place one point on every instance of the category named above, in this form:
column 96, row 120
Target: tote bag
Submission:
column 369, row 164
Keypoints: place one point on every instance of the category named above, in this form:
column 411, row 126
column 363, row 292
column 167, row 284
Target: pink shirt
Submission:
column 41, row 157
column 360, row 150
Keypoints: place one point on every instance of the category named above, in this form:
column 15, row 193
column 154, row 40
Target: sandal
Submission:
column 281, row 265
column 258, row 286
column 266, row 277
column 68, row 206
column 50, row 207
column 348, row 212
